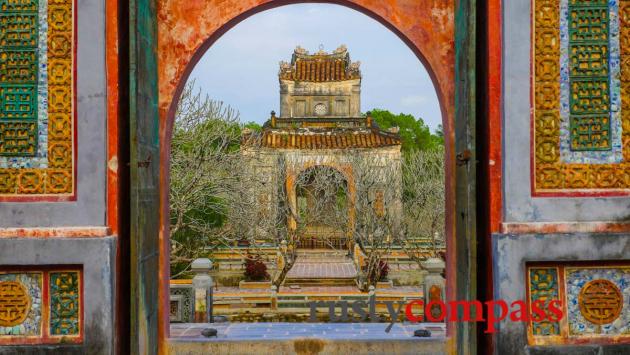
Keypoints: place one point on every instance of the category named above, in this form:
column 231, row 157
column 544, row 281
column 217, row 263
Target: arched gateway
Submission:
column 535, row 101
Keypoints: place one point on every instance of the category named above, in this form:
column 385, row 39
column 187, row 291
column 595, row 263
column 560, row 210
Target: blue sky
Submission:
column 241, row 68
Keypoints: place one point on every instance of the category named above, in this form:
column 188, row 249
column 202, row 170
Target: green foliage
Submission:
column 253, row 126
column 204, row 149
column 414, row 133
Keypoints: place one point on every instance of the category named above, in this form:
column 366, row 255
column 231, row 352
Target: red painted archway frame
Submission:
column 186, row 29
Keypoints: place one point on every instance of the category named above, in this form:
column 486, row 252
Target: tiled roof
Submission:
column 328, row 139
column 320, row 70
column 320, row 67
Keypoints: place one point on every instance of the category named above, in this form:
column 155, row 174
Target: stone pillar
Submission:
column 202, row 284
column 274, row 297
column 434, row 285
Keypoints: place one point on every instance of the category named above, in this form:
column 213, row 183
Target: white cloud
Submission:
column 413, row 100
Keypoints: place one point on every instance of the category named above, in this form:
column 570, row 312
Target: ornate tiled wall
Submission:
column 595, row 302
column 182, row 303
column 37, row 122
column 581, row 97
column 41, row 306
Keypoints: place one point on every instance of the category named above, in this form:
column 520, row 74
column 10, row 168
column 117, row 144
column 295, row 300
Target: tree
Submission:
column 253, row 126
column 203, row 184
column 377, row 210
column 423, row 201
column 414, row 133
column 314, row 198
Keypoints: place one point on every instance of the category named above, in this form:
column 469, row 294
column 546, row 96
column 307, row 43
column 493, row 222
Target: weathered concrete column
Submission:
column 434, row 285
column 202, row 283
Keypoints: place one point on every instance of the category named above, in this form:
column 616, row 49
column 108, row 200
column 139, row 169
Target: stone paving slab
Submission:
column 332, row 290
column 323, row 270
column 280, row 331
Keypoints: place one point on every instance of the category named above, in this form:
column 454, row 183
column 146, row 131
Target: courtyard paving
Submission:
column 331, row 290
column 322, row 270
column 284, row 331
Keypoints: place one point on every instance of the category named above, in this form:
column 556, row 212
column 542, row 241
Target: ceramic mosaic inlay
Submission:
column 600, row 301
column 543, row 286
column 20, row 304
column 36, row 98
column 64, row 303
column 597, row 301
column 581, row 83
column 41, row 306
column 18, row 78
column 182, row 303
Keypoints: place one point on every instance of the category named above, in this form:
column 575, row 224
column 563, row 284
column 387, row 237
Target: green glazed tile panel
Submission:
column 64, row 303
column 18, row 77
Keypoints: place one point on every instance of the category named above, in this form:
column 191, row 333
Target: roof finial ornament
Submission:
column 321, row 49
column 341, row 49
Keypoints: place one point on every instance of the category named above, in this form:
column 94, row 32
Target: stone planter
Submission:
column 249, row 285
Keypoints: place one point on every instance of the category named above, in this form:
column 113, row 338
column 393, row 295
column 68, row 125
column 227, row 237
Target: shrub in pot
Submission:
column 255, row 269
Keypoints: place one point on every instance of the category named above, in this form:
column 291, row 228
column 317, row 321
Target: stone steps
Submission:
column 322, row 268
column 320, row 282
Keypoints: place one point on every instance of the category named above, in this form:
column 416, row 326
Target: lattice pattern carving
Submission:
column 589, row 88
column 593, row 300
column 543, row 286
column 581, row 154
column 37, row 147
column 18, row 71
column 41, row 306
column 184, row 298
column 64, row 303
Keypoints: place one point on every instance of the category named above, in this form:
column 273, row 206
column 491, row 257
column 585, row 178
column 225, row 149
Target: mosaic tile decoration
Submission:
column 41, row 306
column 64, row 303
column 37, row 99
column 182, row 303
column 605, row 298
column 21, row 304
column 595, row 301
column 581, row 93
column 544, row 286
